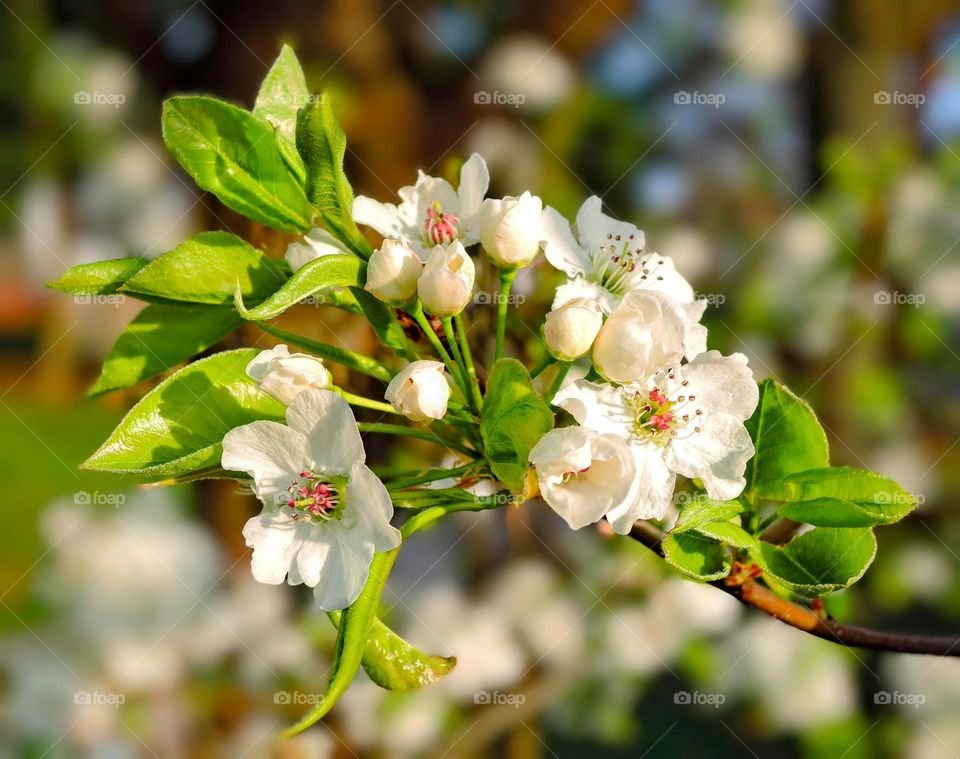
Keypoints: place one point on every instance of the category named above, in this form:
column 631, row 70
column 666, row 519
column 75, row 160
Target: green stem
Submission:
column 416, row 311
column 362, row 364
column 422, row 518
column 542, row 364
column 356, row 400
column 458, row 357
column 468, row 362
column 503, row 298
column 397, row 429
column 562, row 368
column 431, row 476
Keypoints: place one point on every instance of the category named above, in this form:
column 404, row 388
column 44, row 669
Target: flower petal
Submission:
column 383, row 217
column 717, row 454
column 595, row 228
column 258, row 364
column 598, row 406
column 651, row 492
column 722, row 384
column 559, row 246
column 368, row 500
column 474, row 182
column 578, row 287
column 332, row 437
column 270, row 452
column 313, row 554
column 275, row 537
column 345, row 569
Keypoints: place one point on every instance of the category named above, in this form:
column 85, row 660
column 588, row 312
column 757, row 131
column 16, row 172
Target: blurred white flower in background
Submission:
column 141, row 566
column 512, row 153
column 797, row 682
column 144, row 602
column 763, row 38
column 530, row 67
column 803, row 286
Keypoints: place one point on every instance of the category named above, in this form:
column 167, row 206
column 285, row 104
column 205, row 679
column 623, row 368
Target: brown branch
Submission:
column 745, row 589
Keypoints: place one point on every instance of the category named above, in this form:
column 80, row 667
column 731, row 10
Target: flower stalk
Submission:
column 503, row 301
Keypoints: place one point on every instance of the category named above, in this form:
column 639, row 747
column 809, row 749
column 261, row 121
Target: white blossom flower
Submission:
column 686, row 420
column 569, row 331
column 583, row 474
column 392, row 272
column 284, row 374
column 646, row 332
column 446, row 284
column 606, row 260
column 324, row 512
column 420, row 391
column 431, row 212
column 510, row 229
column 317, row 243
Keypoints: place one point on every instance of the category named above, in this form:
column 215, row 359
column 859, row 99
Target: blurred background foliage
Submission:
column 799, row 160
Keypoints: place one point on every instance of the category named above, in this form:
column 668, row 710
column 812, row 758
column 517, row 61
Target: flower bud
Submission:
column 392, row 272
column 446, row 284
column 583, row 474
column 284, row 375
column 316, row 244
column 642, row 335
column 510, row 229
column 570, row 329
column 420, row 391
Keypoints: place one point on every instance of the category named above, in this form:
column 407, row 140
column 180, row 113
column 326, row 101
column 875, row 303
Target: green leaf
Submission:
column 177, row 428
column 728, row 533
column 700, row 558
column 840, row 497
column 820, row 561
column 283, row 92
column 322, row 145
column 394, row 664
column 100, row 278
column 208, row 268
column 363, row 364
column 513, row 419
column 352, row 635
column 786, row 434
column 160, row 337
column 700, row 510
column 233, row 154
column 326, row 271
column 383, row 319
